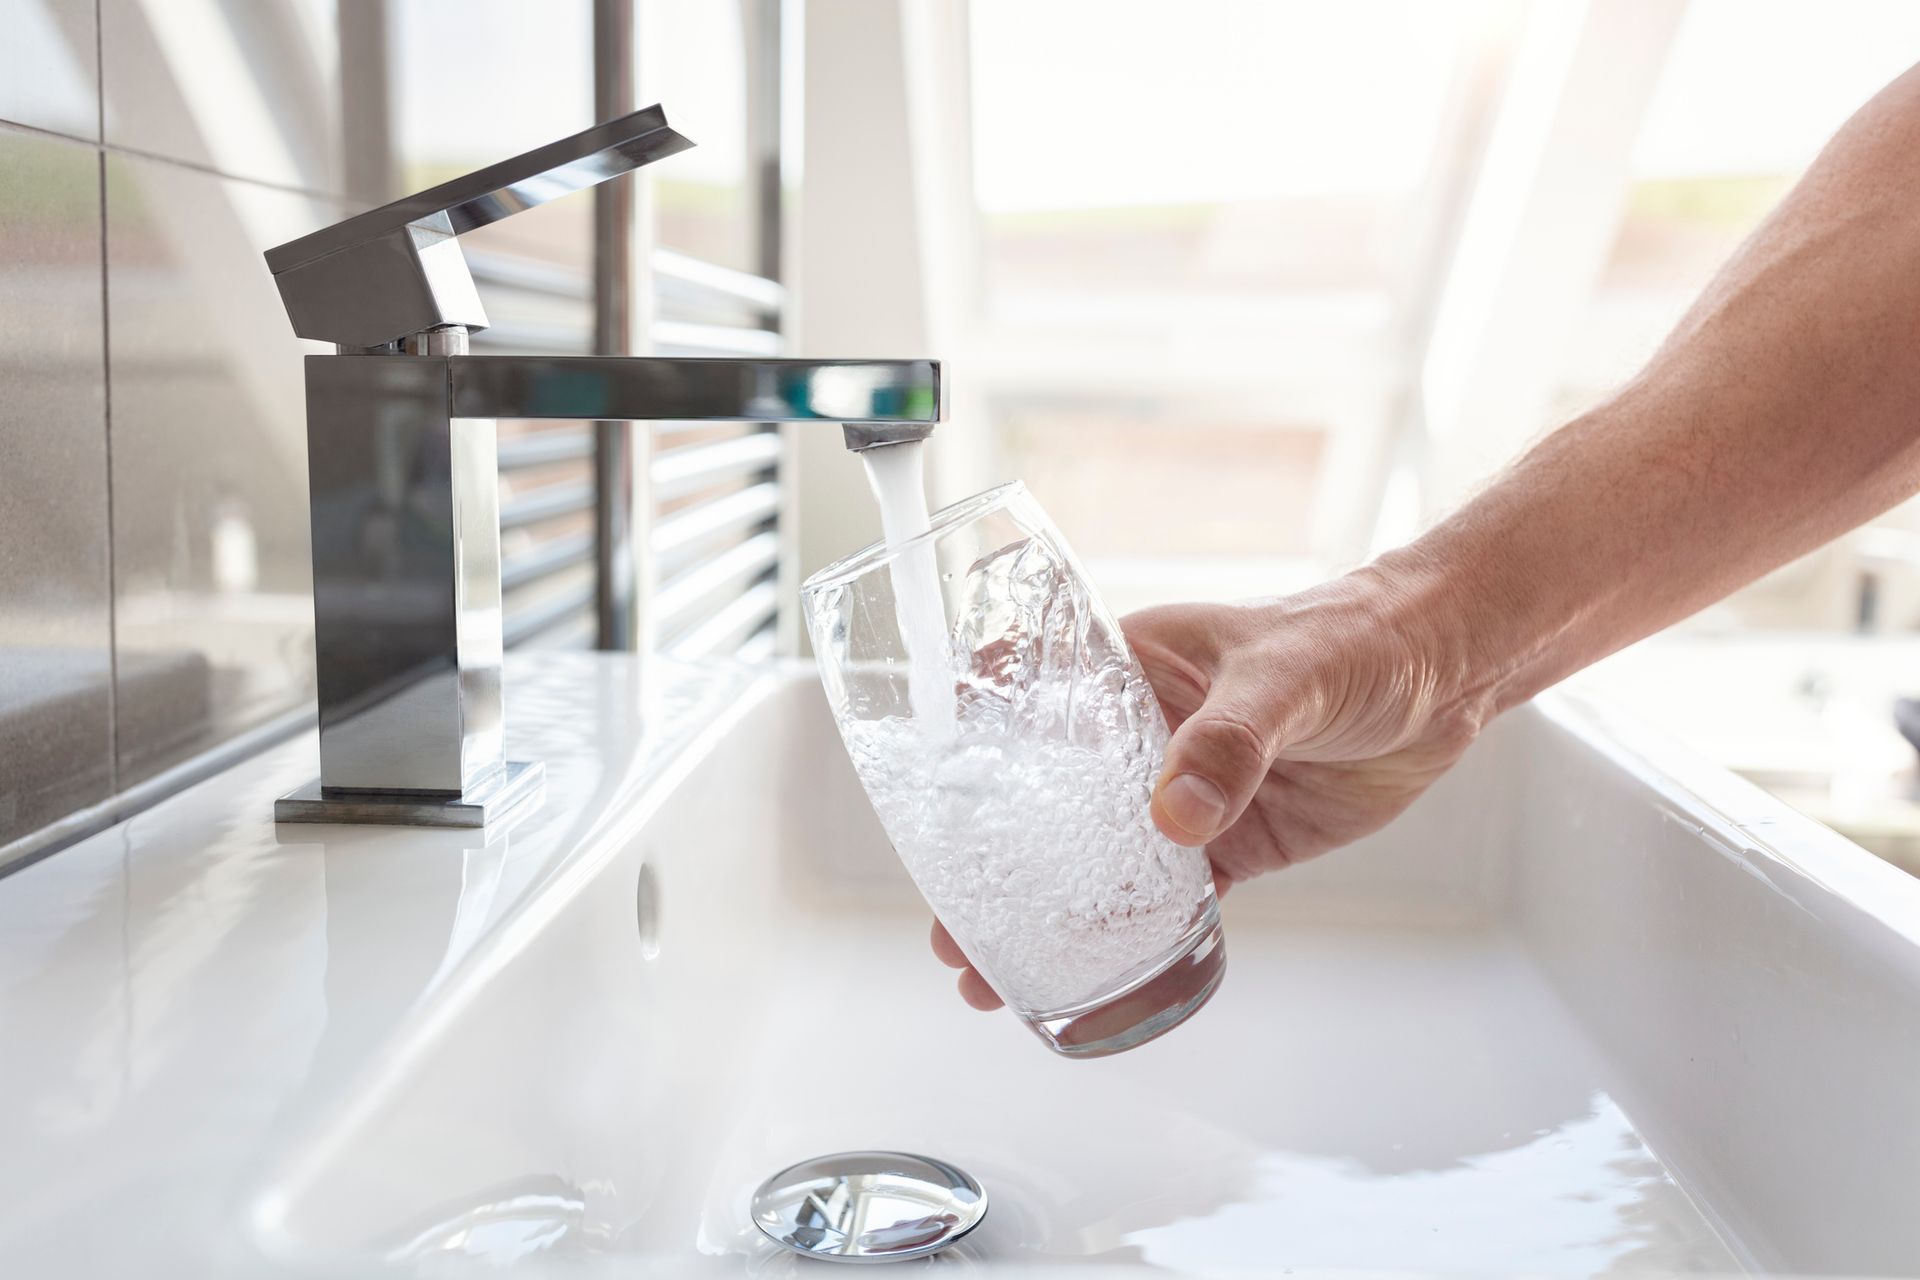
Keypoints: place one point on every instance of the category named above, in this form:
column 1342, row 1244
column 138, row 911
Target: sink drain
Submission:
column 869, row 1206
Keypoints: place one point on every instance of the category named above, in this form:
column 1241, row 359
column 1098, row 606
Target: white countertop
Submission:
column 297, row 950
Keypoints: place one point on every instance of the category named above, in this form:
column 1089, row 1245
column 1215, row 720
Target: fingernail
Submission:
column 1195, row 804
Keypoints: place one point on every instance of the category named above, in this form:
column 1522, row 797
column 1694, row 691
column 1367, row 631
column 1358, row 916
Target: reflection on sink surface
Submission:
column 1241, row 1146
column 1565, row 1018
column 1581, row 1197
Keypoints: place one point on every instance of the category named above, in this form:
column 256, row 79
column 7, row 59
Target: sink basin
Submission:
column 1589, row 1007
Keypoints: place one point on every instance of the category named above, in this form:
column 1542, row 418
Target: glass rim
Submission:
column 942, row 522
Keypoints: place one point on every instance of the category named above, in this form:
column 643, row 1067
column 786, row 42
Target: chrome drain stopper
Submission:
column 868, row 1206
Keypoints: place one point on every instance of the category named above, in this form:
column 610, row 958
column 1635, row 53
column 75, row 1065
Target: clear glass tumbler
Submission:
column 1013, row 770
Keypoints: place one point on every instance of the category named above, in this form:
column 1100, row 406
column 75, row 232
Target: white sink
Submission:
column 1809, row 717
column 1564, row 1018
column 1589, row 1007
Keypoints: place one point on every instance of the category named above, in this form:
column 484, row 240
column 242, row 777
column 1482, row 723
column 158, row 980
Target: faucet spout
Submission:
column 879, row 401
column 861, row 436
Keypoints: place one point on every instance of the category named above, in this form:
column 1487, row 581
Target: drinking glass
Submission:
column 1013, row 766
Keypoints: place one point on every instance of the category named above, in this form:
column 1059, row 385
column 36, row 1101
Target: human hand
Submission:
column 1299, row 725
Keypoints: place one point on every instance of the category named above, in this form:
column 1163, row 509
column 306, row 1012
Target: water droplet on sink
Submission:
column 647, row 910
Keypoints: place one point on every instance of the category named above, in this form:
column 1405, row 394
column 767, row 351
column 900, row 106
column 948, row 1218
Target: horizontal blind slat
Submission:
column 747, row 613
column 549, row 613
column 545, row 503
column 689, row 593
column 513, row 272
column 547, row 560
column 544, row 448
column 678, row 338
column 679, row 278
column 677, row 536
column 689, row 468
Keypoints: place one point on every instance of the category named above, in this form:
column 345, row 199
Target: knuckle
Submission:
column 1454, row 730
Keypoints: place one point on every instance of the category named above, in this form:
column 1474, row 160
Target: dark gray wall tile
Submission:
column 55, row 664
column 212, row 580
column 248, row 88
column 48, row 73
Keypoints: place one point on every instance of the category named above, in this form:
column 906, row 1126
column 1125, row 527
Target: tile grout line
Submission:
column 191, row 166
column 99, row 73
column 59, row 135
column 106, row 406
column 197, row 167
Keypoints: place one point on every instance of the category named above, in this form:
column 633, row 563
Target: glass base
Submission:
column 1147, row 1010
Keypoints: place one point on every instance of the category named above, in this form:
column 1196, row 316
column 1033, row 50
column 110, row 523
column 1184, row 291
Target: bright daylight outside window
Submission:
column 1725, row 136
column 1198, row 224
column 1210, row 236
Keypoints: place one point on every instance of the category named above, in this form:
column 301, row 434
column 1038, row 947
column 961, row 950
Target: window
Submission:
column 1751, row 92
column 1198, row 227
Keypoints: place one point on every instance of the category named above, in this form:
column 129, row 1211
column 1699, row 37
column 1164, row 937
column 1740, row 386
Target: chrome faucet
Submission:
column 402, row 471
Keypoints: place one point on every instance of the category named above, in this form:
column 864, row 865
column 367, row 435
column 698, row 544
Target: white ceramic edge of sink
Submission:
column 1743, row 819
column 265, row 1210
column 1769, row 1133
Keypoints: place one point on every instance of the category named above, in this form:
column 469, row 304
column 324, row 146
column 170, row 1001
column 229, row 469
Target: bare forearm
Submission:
column 1784, row 410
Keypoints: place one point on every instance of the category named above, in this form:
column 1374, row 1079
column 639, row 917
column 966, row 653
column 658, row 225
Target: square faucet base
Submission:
column 518, row 782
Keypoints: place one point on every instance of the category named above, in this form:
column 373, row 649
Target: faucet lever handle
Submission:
column 392, row 271
column 500, row 190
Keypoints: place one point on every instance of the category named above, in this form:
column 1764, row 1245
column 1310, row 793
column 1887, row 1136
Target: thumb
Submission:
column 1215, row 763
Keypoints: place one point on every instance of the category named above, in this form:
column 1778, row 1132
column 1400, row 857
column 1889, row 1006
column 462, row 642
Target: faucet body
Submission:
column 403, row 475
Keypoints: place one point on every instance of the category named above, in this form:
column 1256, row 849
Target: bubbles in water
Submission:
column 1016, row 781
column 1035, row 853
column 1026, row 824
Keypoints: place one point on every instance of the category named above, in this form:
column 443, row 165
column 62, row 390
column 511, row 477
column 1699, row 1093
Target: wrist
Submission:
column 1434, row 610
